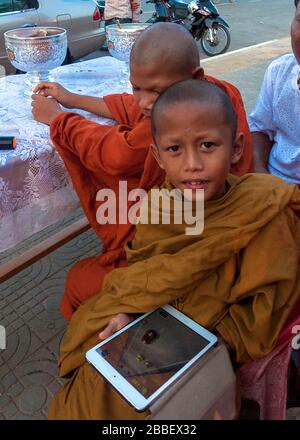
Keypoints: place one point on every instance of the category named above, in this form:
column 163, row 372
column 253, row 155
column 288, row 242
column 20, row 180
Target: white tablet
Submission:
column 145, row 357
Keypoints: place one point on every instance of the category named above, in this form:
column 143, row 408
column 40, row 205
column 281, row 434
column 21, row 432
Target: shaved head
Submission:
column 166, row 45
column 201, row 92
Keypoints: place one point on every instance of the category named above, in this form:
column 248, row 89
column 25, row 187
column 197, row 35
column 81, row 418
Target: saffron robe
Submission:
column 240, row 277
column 99, row 156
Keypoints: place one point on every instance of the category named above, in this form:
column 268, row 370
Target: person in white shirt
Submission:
column 126, row 11
column 275, row 121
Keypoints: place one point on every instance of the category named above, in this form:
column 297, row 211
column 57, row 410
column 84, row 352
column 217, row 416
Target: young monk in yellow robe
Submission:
column 98, row 156
column 239, row 278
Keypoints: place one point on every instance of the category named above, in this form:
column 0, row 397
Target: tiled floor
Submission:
column 34, row 327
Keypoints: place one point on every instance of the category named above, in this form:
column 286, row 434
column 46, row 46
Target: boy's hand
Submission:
column 44, row 109
column 56, row 91
column 115, row 324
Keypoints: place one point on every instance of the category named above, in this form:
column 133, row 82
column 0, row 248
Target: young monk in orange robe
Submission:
column 98, row 156
column 239, row 277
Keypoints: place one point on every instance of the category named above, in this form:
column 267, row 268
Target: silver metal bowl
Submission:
column 121, row 40
column 36, row 50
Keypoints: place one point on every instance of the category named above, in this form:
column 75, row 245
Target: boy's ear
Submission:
column 198, row 73
column 238, row 148
column 155, row 153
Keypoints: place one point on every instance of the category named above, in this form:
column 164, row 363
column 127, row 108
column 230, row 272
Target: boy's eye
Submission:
column 207, row 145
column 173, row 148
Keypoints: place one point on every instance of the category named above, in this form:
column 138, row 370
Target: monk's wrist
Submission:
column 54, row 115
column 73, row 101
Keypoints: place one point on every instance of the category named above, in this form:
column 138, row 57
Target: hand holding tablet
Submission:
column 115, row 324
column 144, row 358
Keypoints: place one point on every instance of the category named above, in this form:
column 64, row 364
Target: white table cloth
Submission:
column 35, row 189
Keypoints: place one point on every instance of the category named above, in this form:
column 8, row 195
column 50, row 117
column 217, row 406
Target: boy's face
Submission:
column 195, row 147
column 295, row 34
column 148, row 82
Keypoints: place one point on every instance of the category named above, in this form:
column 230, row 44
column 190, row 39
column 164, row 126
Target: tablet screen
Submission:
column 152, row 351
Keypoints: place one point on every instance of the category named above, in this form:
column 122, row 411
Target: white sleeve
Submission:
column 261, row 118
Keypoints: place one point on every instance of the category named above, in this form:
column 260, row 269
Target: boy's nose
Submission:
column 193, row 162
column 146, row 102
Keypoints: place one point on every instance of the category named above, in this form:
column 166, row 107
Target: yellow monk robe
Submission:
column 240, row 277
column 98, row 157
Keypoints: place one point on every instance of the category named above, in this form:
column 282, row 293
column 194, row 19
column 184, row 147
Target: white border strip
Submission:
column 243, row 49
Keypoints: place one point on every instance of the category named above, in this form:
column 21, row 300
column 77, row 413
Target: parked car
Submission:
column 77, row 16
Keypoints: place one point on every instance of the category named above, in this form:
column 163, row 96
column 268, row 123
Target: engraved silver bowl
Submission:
column 36, row 50
column 121, row 40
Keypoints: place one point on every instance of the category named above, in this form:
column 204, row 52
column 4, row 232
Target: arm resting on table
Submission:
column 90, row 104
column 116, row 150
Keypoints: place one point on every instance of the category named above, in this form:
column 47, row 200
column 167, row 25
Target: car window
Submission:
column 21, row 5
column 6, row 6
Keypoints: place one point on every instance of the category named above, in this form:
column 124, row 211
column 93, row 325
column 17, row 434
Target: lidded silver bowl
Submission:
column 121, row 39
column 36, row 50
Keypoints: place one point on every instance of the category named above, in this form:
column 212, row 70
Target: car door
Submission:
column 15, row 14
column 85, row 35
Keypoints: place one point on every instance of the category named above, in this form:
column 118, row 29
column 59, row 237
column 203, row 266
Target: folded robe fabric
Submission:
column 99, row 156
column 240, row 278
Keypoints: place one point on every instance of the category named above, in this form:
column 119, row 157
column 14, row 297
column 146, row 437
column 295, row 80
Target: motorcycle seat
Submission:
column 179, row 3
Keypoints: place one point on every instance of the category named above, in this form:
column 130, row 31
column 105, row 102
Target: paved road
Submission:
column 251, row 21
column 256, row 21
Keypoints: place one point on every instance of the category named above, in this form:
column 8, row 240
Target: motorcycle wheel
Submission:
column 221, row 40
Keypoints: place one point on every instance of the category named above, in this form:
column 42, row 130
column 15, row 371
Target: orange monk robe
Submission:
column 99, row 156
column 240, row 277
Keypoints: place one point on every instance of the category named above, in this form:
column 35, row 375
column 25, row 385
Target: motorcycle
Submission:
column 201, row 18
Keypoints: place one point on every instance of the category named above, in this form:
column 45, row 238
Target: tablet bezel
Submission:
column 120, row 383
